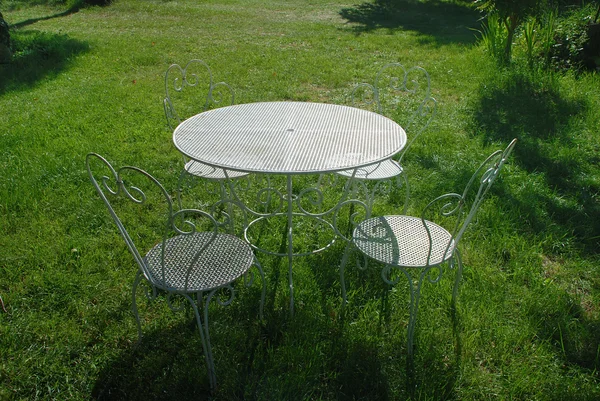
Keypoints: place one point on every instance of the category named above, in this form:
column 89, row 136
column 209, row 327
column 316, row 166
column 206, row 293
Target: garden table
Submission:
column 289, row 139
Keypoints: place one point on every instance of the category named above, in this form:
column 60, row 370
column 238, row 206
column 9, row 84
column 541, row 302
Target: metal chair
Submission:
column 416, row 245
column 190, row 90
column 404, row 95
column 189, row 258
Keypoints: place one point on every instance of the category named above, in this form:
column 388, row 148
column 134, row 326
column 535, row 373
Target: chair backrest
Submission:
column 143, row 211
column 191, row 89
column 401, row 94
column 463, row 207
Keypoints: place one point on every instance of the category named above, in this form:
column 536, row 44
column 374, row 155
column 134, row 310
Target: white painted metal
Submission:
column 289, row 139
column 186, row 261
column 416, row 247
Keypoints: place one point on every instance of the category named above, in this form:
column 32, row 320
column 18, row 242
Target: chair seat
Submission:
column 386, row 169
column 403, row 241
column 225, row 259
column 210, row 172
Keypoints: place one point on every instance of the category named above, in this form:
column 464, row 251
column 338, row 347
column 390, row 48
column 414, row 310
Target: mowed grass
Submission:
column 527, row 324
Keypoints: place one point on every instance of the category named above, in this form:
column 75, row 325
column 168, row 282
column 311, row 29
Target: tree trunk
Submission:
column 5, row 53
column 511, row 22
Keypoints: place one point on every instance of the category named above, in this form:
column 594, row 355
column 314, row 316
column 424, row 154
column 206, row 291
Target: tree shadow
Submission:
column 169, row 362
column 30, row 21
column 168, row 365
column 564, row 324
column 430, row 375
column 445, row 22
column 517, row 105
column 37, row 56
column 362, row 374
column 77, row 5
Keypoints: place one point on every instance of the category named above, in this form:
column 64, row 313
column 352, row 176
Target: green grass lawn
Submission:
column 527, row 325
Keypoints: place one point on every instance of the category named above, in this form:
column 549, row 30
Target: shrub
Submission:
column 512, row 14
column 4, row 34
column 570, row 38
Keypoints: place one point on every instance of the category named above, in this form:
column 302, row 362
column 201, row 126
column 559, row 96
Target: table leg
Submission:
column 290, row 241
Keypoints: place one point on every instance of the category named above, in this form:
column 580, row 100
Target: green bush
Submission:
column 4, row 34
column 556, row 39
column 570, row 38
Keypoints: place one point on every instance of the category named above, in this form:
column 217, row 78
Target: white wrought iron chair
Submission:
column 188, row 258
column 190, row 90
column 415, row 245
column 404, row 95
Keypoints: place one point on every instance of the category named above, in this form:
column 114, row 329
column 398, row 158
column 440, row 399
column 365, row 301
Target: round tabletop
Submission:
column 289, row 137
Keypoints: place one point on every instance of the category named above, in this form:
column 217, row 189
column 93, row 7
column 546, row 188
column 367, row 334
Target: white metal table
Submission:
column 289, row 139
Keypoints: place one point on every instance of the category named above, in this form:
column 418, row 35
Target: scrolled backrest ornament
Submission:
column 364, row 95
column 395, row 86
column 343, row 224
column 125, row 189
column 464, row 206
column 157, row 220
column 180, row 79
column 402, row 94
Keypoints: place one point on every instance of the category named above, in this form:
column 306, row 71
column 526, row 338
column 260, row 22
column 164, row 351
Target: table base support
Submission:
column 290, row 241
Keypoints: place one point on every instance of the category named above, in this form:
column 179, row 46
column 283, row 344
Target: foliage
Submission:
column 530, row 28
column 4, row 32
column 570, row 38
column 512, row 13
column 5, row 42
column 552, row 37
column 538, row 38
column 493, row 36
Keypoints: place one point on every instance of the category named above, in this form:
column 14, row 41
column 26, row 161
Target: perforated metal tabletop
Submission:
column 289, row 137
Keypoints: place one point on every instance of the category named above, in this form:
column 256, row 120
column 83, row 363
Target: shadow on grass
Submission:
column 444, row 21
column 37, row 56
column 515, row 104
column 432, row 374
column 562, row 201
column 30, row 21
column 563, row 323
column 283, row 359
column 75, row 7
column 167, row 365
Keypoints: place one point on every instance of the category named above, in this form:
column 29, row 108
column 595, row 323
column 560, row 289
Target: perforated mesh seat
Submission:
column 403, row 241
column 209, row 172
column 380, row 171
column 224, row 260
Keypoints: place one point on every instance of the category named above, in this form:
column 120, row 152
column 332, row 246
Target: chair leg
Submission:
column 226, row 200
column 407, row 192
column 180, row 184
column 343, row 263
column 458, row 262
column 415, row 295
column 134, row 309
column 203, row 329
column 353, row 187
column 263, row 290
